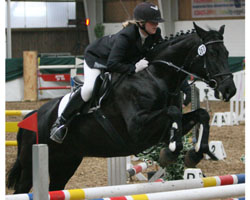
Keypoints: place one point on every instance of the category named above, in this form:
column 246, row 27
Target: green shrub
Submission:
column 99, row 30
column 174, row 171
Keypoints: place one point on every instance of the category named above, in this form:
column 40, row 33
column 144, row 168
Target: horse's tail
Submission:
column 14, row 173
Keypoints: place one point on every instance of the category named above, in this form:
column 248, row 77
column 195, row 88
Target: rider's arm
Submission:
column 117, row 58
column 117, row 61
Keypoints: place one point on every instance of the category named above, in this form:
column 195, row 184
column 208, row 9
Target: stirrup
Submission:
column 54, row 134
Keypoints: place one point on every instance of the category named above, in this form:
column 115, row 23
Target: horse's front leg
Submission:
column 170, row 154
column 194, row 156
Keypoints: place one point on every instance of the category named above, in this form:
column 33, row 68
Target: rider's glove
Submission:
column 141, row 65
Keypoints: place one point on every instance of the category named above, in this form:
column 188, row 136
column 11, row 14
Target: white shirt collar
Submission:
column 143, row 37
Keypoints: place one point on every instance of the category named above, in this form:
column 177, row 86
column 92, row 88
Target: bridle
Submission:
column 201, row 52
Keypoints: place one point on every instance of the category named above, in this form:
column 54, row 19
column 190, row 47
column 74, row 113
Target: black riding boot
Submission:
column 59, row 128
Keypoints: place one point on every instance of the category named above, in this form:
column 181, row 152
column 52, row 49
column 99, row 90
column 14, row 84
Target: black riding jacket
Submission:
column 120, row 52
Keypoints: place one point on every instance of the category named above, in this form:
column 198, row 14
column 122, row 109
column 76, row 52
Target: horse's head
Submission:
column 211, row 62
column 201, row 53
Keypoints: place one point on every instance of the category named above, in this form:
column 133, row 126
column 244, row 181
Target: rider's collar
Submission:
column 143, row 37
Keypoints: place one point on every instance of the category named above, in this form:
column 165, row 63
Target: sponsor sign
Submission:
column 218, row 8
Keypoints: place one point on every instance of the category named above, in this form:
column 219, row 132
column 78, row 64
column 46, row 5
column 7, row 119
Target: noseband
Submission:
column 201, row 53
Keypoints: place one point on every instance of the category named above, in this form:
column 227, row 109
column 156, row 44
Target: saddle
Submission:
column 102, row 88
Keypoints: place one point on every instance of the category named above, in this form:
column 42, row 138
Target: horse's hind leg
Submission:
column 201, row 116
column 61, row 169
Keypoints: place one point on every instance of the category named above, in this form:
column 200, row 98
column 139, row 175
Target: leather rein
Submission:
column 201, row 52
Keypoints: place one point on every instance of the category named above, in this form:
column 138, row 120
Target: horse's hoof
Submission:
column 167, row 157
column 192, row 158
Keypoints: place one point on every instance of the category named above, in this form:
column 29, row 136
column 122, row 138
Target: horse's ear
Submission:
column 200, row 31
column 222, row 28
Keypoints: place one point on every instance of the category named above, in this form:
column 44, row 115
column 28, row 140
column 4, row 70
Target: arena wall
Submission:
column 234, row 38
column 234, row 35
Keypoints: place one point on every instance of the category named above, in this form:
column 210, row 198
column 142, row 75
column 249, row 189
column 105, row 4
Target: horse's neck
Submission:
column 171, row 78
column 186, row 51
column 179, row 52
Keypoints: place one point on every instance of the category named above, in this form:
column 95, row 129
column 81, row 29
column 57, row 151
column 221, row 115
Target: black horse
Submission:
column 139, row 112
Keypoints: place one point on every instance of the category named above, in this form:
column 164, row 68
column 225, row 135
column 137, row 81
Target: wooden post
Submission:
column 30, row 75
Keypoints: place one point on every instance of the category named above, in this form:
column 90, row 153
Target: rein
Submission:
column 179, row 69
column 201, row 53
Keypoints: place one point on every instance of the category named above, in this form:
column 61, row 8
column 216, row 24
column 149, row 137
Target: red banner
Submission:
column 55, row 77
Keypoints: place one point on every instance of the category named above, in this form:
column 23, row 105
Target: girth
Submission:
column 114, row 136
column 102, row 89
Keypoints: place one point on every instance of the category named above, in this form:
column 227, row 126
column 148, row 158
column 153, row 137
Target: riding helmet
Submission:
column 147, row 12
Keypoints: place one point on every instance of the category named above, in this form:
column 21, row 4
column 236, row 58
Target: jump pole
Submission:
column 133, row 189
column 11, row 143
column 17, row 112
column 192, row 194
column 195, row 104
column 137, row 169
column 12, row 126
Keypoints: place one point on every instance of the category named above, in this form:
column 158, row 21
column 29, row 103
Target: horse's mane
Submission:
column 176, row 39
column 167, row 42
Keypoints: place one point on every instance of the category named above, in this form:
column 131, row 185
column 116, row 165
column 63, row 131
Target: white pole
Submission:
column 40, row 171
column 194, row 194
column 117, row 171
column 142, row 188
column 8, row 31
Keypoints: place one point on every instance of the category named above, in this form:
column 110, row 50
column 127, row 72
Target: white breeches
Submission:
column 90, row 76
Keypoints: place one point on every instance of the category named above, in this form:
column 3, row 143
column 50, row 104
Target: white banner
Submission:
column 218, row 8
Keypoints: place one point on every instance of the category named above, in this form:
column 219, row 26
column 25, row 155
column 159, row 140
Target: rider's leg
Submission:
column 77, row 101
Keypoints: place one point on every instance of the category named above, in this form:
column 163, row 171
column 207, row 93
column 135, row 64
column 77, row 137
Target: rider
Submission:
column 122, row 52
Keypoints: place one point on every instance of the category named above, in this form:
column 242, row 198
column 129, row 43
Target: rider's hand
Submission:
column 142, row 64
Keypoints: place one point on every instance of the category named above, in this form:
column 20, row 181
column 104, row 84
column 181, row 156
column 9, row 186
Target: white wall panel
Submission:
column 57, row 14
column 112, row 28
column 17, row 14
column 40, row 14
column 234, row 35
column 71, row 10
column 35, row 13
